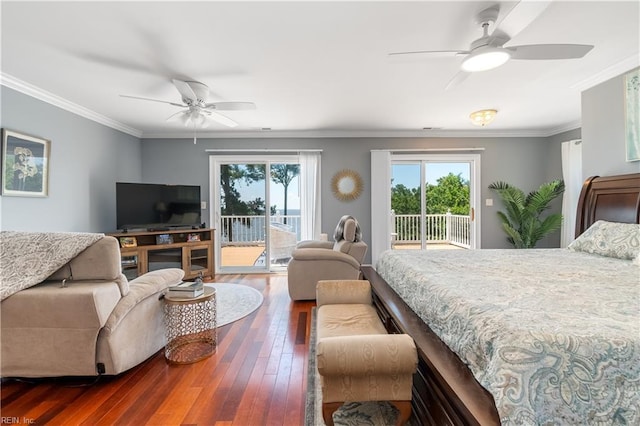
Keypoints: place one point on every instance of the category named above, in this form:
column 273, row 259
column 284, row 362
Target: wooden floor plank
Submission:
column 278, row 401
column 261, row 403
column 294, row 409
column 256, row 377
column 250, row 393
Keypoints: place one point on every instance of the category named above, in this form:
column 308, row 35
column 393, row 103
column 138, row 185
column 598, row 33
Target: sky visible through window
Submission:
column 256, row 189
column 409, row 174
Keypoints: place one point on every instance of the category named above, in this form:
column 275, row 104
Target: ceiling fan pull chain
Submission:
column 194, row 133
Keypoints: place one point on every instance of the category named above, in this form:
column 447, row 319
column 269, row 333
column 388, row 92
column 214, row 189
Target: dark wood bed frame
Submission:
column 444, row 389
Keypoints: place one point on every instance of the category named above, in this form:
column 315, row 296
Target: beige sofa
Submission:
column 313, row 261
column 96, row 323
column 357, row 360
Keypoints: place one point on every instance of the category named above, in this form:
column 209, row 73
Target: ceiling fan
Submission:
column 489, row 52
column 198, row 112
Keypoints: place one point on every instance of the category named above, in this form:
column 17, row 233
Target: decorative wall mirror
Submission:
column 346, row 185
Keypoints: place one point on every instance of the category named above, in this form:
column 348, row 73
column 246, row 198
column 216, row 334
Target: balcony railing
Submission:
column 249, row 230
column 439, row 228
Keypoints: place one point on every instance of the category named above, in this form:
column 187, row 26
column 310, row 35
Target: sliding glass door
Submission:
column 256, row 205
column 433, row 202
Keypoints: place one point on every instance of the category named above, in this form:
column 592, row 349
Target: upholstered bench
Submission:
column 356, row 358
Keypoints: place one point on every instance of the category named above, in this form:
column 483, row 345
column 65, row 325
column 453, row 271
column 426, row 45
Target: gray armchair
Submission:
column 313, row 261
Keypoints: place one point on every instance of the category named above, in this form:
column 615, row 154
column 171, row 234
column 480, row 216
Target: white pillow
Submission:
column 611, row 239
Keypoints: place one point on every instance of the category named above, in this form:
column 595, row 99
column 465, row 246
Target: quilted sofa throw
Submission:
column 28, row 258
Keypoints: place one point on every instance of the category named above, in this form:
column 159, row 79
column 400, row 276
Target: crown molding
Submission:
column 609, row 73
column 564, row 128
column 48, row 97
column 439, row 133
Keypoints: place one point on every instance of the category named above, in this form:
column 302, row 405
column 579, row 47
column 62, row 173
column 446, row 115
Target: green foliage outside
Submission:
column 522, row 221
column 231, row 204
column 450, row 193
column 405, row 200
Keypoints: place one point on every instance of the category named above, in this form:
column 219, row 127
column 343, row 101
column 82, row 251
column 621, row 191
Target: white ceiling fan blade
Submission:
column 153, row 100
column 204, row 123
column 221, row 119
column 185, row 89
column 231, row 106
column 457, row 79
column 434, row 53
column 178, row 115
column 549, row 51
column 520, row 16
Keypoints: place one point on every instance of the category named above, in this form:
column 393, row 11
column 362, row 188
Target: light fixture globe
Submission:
column 485, row 58
column 483, row 117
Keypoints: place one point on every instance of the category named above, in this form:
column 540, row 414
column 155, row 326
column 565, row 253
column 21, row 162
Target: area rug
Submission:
column 234, row 301
column 351, row 413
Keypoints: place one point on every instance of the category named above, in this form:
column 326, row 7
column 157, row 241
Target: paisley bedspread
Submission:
column 553, row 335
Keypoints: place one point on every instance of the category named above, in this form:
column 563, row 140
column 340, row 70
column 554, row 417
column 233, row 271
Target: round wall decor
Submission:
column 346, row 185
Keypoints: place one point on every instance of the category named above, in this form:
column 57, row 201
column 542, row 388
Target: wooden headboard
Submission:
column 610, row 198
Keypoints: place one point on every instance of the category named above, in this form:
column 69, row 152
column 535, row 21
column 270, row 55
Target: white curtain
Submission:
column 572, row 176
column 380, row 203
column 310, row 195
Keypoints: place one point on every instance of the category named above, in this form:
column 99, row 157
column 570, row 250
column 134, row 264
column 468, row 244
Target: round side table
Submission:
column 190, row 326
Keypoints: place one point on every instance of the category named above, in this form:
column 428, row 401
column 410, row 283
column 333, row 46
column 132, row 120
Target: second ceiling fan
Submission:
column 489, row 52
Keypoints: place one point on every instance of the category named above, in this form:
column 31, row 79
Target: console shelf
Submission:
column 188, row 249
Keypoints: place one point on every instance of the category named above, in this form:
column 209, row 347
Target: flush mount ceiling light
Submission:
column 485, row 58
column 483, row 117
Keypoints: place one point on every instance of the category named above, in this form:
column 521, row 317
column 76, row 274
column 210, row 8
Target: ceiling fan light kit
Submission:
column 485, row 58
column 483, row 117
column 489, row 51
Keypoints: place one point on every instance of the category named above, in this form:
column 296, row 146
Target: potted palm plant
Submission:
column 522, row 221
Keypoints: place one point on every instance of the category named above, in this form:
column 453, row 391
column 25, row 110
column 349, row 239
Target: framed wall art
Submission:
column 632, row 114
column 25, row 165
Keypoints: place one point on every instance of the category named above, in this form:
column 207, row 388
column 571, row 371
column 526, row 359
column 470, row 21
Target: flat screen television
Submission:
column 156, row 206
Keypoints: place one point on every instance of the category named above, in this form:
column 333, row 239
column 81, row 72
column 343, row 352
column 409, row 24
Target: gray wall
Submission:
column 603, row 148
column 86, row 160
column 520, row 161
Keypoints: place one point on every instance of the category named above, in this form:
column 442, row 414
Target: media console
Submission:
column 188, row 249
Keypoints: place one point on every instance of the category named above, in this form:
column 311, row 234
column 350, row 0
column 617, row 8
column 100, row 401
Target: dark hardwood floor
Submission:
column 258, row 376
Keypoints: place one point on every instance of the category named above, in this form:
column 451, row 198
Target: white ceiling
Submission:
column 312, row 68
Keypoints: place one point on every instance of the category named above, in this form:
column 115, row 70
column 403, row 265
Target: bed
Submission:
column 508, row 348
